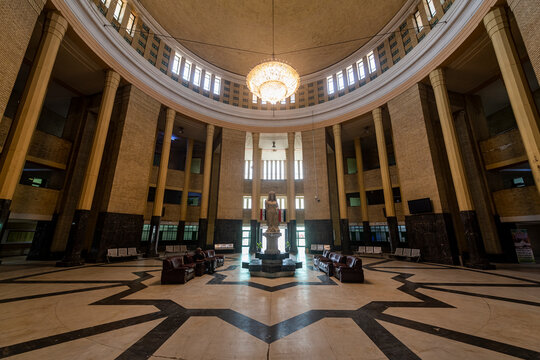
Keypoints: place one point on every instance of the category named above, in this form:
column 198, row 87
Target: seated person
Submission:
column 209, row 264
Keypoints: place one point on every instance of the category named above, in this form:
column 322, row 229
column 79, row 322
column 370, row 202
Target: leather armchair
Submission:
column 220, row 260
column 175, row 272
column 350, row 271
column 318, row 258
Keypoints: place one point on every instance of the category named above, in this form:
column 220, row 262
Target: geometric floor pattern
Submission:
column 403, row 311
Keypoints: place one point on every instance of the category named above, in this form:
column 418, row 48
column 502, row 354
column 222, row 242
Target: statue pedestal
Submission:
column 272, row 263
column 272, row 242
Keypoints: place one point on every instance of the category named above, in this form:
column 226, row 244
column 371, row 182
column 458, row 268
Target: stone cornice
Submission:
column 461, row 19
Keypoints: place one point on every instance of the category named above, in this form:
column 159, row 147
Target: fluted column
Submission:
column 157, row 210
column 343, row 216
column 255, row 194
column 468, row 217
column 362, row 191
column 291, row 195
column 79, row 224
column 391, row 218
column 205, row 196
column 18, row 141
column 521, row 100
column 185, row 192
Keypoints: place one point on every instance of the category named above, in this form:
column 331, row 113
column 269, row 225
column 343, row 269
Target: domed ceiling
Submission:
column 302, row 29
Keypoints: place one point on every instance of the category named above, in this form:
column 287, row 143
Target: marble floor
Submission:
column 404, row 310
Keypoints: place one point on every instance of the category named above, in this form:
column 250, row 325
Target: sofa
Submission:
column 350, row 271
column 197, row 265
column 328, row 266
column 318, row 258
column 175, row 271
column 220, row 260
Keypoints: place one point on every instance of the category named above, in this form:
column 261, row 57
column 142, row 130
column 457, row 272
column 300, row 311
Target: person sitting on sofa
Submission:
column 200, row 255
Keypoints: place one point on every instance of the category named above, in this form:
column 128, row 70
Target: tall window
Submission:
column 197, row 76
column 371, row 62
column 299, row 202
column 350, row 75
column 292, row 99
column 248, row 169
column 187, row 71
column 283, row 102
column 418, row 21
column 207, row 81
column 340, row 81
column 361, row 69
column 330, row 84
column 430, row 9
column 247, row 202
column 281, row 202
column 176, row 64
column 217, row 85
column 273, row 169
column 119, row 11
column 263, row 102
column 254, row 99
column 298, row 170
column 131, row 25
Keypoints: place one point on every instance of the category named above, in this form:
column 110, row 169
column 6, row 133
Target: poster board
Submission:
column 523, row 246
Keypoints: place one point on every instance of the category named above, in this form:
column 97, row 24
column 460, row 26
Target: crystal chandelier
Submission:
column 273, row 81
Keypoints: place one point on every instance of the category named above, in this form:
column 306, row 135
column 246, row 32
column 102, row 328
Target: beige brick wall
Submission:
column 502, row 150
column 412, row 148
column 33, row 203
column 175, row 180
column 231, row 174
column 527, row 13
column 136, row 133
column 523, row 201
column 18, row 19
column 315, row 210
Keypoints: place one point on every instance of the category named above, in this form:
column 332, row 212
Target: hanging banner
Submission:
column 523, row 246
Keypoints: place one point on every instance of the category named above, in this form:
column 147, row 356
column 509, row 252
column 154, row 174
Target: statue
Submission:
column 271, row 206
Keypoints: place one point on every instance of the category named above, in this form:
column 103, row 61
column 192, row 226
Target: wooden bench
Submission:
column 122, row 253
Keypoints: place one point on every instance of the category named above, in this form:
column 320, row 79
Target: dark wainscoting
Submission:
column 114, row 230
column 319, row 232
column 228, row 231
column 434, row 235
column 41, row 243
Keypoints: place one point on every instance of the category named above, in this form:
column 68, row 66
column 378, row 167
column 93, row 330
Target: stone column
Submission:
column 291, row 195
column 255, row 194
column 362, row 191
column 343, row 216
column 207, row 172
column 79, row 224
column 153, row 236
column 521, row 100
column 386, row 182
column 185, row 192
column 18, row 141
column 461, row 187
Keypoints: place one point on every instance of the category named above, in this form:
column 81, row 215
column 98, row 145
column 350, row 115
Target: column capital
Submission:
column 56, row 24
column 210, row 130
column 377, row 114
column 495, row 20
column 112, row 79
column 437, row 78
column 170, row 113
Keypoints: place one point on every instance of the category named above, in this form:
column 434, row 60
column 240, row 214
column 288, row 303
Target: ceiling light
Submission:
column 273, row 81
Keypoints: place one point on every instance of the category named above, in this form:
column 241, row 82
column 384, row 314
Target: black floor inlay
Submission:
column 369, row 317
